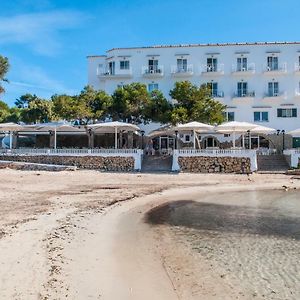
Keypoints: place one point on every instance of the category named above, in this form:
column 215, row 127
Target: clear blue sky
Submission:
column 47, row 41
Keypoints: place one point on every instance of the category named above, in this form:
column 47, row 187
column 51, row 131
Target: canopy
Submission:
column 263, row 130
column 112, row 126
column 196, row 126
column 10, row 127
column 295, row 132
column 165, row 130
column 234, row 126
column 115, row 127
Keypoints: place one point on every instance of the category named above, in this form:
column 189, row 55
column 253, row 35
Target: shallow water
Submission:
column 252, row 238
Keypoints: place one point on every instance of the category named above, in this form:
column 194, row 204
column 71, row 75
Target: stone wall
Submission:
column 110, row 163
column 205, row 164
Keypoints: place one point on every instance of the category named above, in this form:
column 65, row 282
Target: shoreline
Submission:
column 88, row 227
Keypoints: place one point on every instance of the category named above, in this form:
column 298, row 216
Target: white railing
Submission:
column 294, row 155
column 275, row 67
column 297, row 92
column 244, row 95
column 240, row 68
column 69, row 151
column 266, row 152
column 117, row 72
column 219, row 68
column 182, row 69
column 217, row 94
column 153, row 70
column 275, row 94
column 251, row 154
column 297, row 67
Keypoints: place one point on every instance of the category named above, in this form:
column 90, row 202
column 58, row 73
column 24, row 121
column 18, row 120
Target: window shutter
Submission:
column 279, row 113
column 294, row 112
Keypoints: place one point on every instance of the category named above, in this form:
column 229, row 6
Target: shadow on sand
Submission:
column 220, row 218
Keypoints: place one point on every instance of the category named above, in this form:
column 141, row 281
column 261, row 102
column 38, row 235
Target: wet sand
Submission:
column 83, row 235
column 251, row 238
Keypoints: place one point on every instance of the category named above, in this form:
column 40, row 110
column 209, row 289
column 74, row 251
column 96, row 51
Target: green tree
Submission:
column 159, row 108
column 4, row 67
column 100, row 105
column 24, row 100
column 63, row 107
column 195, row 104
column 38, row 111
column 129, row 103
column 4, row 111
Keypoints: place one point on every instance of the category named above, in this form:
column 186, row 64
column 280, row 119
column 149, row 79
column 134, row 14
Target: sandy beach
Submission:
column 85, row 235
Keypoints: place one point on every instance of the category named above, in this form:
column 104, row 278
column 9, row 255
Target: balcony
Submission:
column 297, row 93
column 217, row 94
column 242, row 97
column 274, row 97
column 152, row 71
column 241, row 71
column 212, row 70
column 182, row 71
column 297, row 68
column 275, row 69
column 108, row 73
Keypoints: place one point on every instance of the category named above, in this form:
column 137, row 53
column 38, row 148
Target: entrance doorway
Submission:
column 163, row 145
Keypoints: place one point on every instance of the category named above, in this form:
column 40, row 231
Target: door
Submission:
column 181, row 65
column 272, row 63
column 242, row 89
column 212, row 65
column 111, row 68
column 241, row 64
column 153, row 65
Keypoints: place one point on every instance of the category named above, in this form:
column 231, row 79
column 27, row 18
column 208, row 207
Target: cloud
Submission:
column 39, row 31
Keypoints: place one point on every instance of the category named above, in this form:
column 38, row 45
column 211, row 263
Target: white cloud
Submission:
column 39, row 31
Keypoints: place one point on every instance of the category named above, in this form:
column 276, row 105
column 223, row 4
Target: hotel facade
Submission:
column 258, row 82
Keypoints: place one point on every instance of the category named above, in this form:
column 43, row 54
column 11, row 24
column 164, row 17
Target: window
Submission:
column 241, row 64
column 111, row 68
column 272, row 63
column 261, row 116
column 242, row 89
column 152, row 87
column 273, row 89
column 124, row 65
column 287, row 112
column 182, row 65
column 153, row 66
column 212, row 65
column 214, row 88
column 229, row 116
column 187, row 138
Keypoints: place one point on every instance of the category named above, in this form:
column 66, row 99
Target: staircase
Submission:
column 157, row 163
column 272, row 163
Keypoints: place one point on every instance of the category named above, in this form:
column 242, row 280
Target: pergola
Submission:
column 10, row 128
column 113, row 127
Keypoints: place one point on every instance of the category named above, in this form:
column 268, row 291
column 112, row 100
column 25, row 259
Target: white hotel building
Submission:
column 258, row 82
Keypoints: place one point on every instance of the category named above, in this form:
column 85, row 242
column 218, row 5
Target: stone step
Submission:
column 272, row 163
column 157, row 163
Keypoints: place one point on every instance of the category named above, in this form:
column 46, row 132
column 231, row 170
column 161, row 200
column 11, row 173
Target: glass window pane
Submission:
column 256, row 116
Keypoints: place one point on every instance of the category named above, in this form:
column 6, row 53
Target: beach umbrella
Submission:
column 194, row 127
column 235, row 127
column 295, row 132
column 263, row 130
column 115, row 127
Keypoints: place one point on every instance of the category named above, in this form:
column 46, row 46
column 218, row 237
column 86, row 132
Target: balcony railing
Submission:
column 212, row 69
column 153, row 71
column 275, row 94
column 244, row 95
column 217, row 94
column 297, row 93
column 114, row 73
column 275, row 68
column 249, row 68
column 178, row 70
column 297, row 67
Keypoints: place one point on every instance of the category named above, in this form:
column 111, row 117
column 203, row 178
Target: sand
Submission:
column 83, row 235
